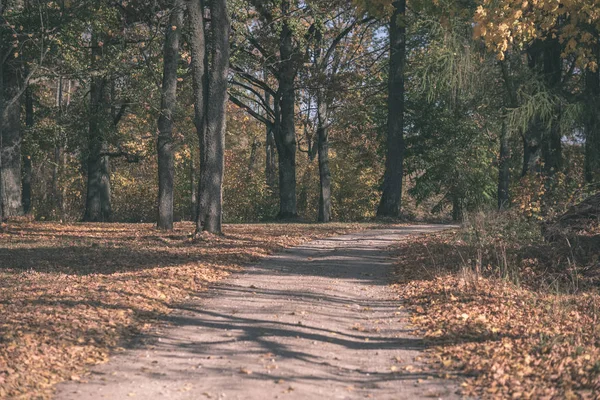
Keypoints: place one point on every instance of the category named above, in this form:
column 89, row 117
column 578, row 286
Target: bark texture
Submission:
column 27, row 164
column 285, row 135
column 552, row 145
column 166, row 164
column 212, row 175
column 197, row 43
column 210, row 100
column 389, row 206
column 10, row 143
column 323, row 154
column 98, row 201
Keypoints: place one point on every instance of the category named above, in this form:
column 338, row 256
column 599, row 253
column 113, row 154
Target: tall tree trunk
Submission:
column 285, row 136
column 503, row 168
column 389, row 206
column 199, row 71
column 552, row 145
column 592, row 123
column 97, row 206
column 27, row 165
column 166, row 166
column 212, row 175
column 10, row 143
column 323, row 150
column 58, row 151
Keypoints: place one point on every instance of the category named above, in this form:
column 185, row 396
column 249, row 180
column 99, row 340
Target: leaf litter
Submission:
column 505, row 340
column 72, row 293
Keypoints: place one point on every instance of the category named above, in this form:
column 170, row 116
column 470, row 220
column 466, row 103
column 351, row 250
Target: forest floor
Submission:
column 518, row 320
column 500, row 318
column 70, row 294
column 317, row 321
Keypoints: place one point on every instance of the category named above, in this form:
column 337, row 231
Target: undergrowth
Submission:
column 513, row 315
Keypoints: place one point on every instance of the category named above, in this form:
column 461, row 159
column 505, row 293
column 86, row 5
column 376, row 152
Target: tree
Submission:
column 21, row 55
column 331, row 57
column 389, row 206
column 210, row 98
column 166, row 169
column 592, row 122
column 280, row 20
column 98, row 204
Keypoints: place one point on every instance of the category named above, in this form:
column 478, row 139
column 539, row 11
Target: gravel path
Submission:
column 317, row 321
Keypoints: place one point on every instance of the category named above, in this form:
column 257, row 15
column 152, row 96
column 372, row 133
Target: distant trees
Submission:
column 396, row 109
column 274, row 20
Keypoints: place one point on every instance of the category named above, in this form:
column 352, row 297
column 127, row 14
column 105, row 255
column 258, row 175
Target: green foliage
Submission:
column 451, row 121
column 450, row 155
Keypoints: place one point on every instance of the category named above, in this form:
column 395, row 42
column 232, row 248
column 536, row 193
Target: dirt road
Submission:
column 314, row 322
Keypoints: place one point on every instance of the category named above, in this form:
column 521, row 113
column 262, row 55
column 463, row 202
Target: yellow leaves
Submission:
column 528, row 20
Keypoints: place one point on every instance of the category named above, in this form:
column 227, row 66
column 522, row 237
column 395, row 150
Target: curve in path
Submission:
column 317, row 321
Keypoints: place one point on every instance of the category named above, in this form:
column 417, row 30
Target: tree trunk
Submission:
column 193, row 192
column 457, row 211
column 552, row 145
column 212, row 175
column 57, row 208
column 166, row 164
column 27, row 165
column 97, row 206
column 503, row 169
column 389, row 205
column 10, row 144
column 285, row 136
column 199, row 70
column 531, row 150
column 323, row 150
column 592, row 123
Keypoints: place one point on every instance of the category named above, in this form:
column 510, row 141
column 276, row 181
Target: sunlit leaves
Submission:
column 510, row 24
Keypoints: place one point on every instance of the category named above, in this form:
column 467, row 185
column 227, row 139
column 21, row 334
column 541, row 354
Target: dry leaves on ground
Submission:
column 509, row 341
column 72, row 292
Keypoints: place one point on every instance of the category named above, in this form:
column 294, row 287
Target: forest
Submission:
column 149, row 148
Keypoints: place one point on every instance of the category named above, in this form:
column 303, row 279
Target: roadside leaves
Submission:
column 71, row 293
column 508, row 341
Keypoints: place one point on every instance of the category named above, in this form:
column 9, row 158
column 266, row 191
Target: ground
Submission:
column 72, row 293
column 315, row 321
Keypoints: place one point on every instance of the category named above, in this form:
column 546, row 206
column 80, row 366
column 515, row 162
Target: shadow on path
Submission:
column 313, row 322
